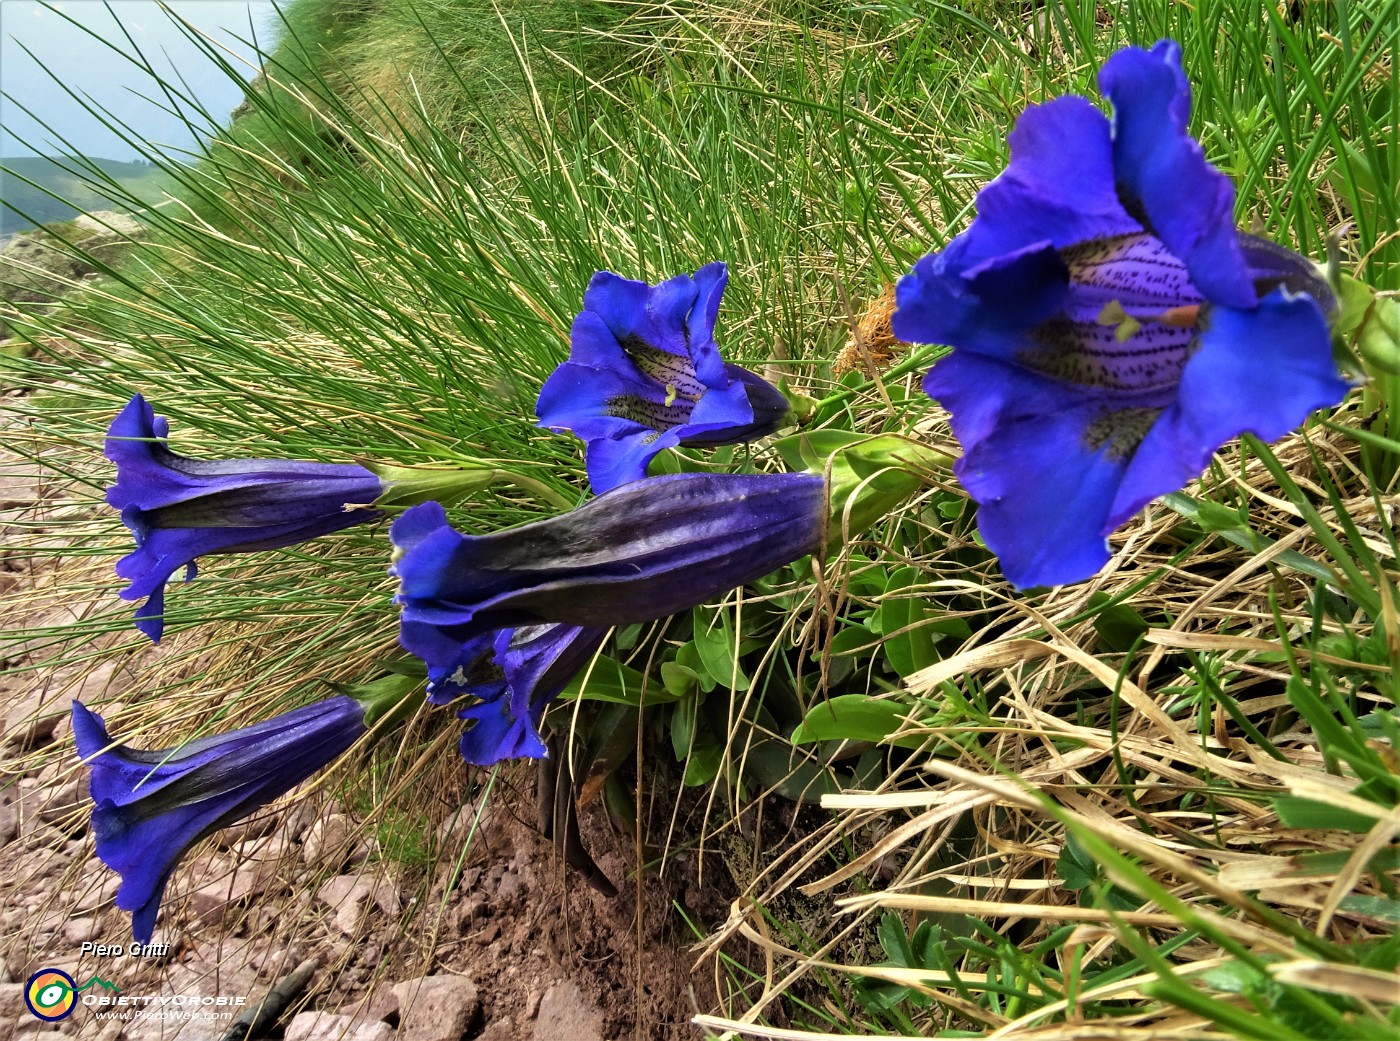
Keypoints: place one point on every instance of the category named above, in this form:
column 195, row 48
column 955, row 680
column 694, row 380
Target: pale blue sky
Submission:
column 94, row 71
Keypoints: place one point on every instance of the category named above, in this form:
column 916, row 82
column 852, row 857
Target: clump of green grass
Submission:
column 1093, row 810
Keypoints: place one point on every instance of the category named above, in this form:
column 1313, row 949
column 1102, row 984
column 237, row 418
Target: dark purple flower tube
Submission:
column 152, row 806
column 644, row 374
column 180, row 508
column 637, row 553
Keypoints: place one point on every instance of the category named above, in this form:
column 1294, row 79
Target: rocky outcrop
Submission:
column 41, row 266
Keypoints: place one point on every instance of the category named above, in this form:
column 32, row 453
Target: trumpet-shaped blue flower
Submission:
column 180, row 508
column 152, row 806
column 512, row 677
column 1110, row 328
column 637, row 553
column 644, row 374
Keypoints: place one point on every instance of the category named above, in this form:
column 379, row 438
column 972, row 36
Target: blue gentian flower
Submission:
column 152, row 806
column 637, row 553
column 1110, row 327
column 180, row 508
column 644, row 374
column 512, row 682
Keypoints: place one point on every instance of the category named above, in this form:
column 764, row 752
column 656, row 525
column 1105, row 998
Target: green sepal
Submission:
column 411, row 485
column 391, row 699
column 1367, row 325
column 869, row 476
column 1379, row 337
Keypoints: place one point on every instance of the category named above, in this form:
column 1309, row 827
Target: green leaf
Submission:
column 854, row 717
column 614, row 682
column 703, row 765
column 1385, row 860
column 688, row 657
column 1379, row 338
column 1212, row 516
column 683, row 726
column 1234, row 978
column 1375, row 906
column 789, row 772
column 854, row 639
column 911, row 650
column 678, row 679
column 1074, row 874
column 895, row 940
column 716, row 646
column 1296, row 812
column 810, row 449
column 1119, row 626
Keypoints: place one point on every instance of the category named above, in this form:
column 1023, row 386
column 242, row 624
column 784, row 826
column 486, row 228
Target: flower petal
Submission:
column 416, row 523
column 597, row 402
column 656, row 315
column 1163, row 172
column 615, row 461
column 1057, row 188
column 474, row 673
column 538, row 661
column 151, row 476
column 620, row 303
column 989, row 307
column 709, row 282
column 1261, row 371
column 1042, row 492
column 495, row 734
column 721, row 416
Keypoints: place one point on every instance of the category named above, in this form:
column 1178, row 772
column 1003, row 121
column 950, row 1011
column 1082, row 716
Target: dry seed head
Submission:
column 872, row 337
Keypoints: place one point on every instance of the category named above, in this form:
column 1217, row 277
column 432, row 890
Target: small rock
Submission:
column 511, row 884
column 328, row 838
column 262, row 859
column 61, row 801
column 437, row 1008
column 21, row 484
column 327, row 1026
column 210, row 970
column 12, row 1001
column 34, row 716
column 566, row 1013
column 102, row 883
column 38, row 803
column 305, row 813
column 255, row 827
column 502, row 1029
column 9, row 822
column 227, row 887
column 31, row 716
column 27, row 1026
column 78, row 931
column 349, row 895
column 487, row 934
column 381, row 1003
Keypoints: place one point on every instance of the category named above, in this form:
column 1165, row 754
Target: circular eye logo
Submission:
column 51, row 994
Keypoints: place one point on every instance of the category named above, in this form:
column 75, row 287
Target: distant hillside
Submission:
column 70, row 179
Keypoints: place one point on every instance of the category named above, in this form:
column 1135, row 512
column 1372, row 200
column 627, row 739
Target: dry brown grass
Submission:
column 978, row 826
